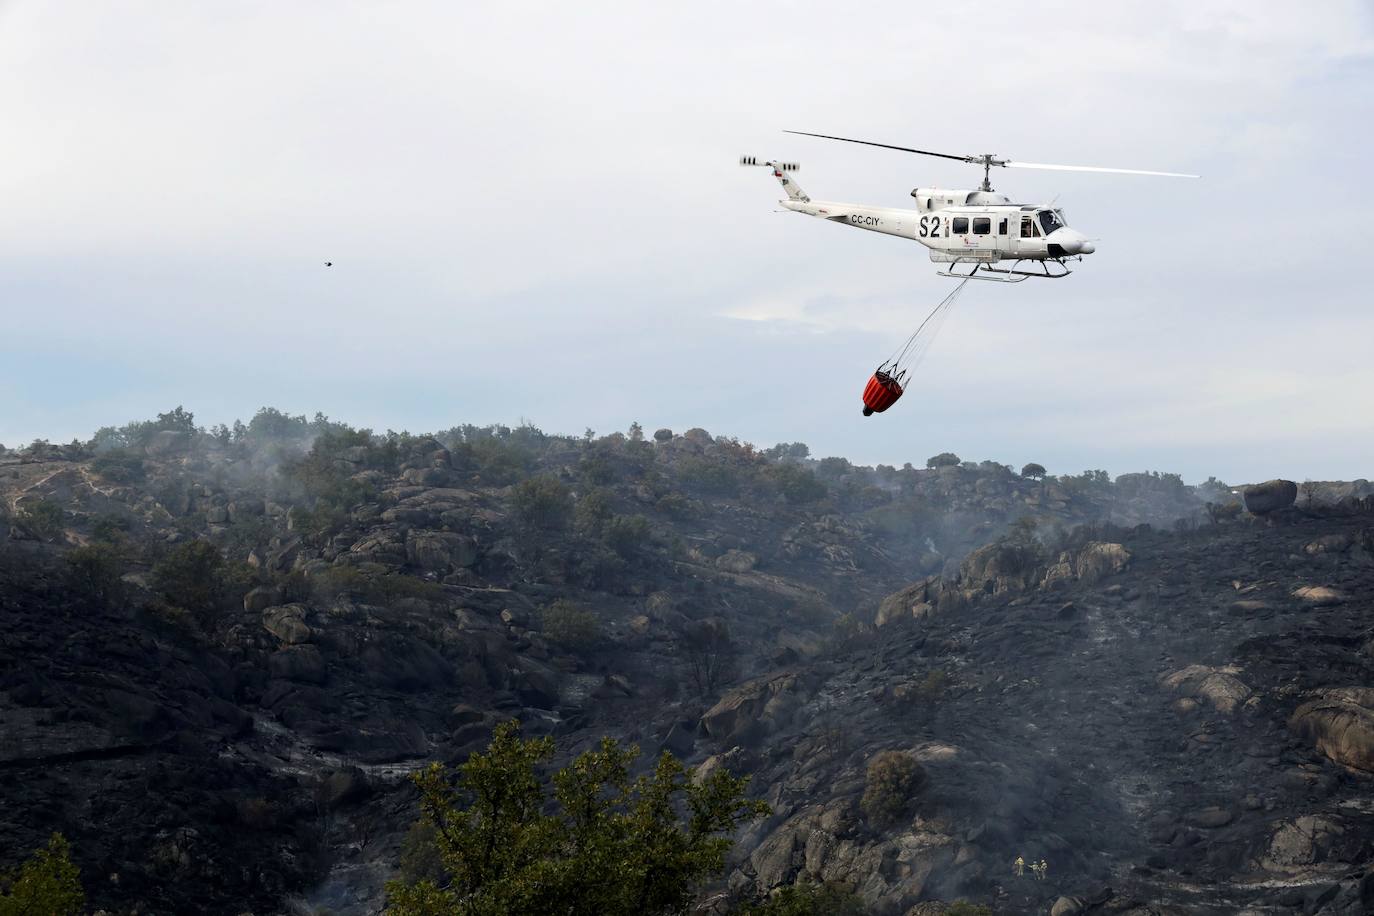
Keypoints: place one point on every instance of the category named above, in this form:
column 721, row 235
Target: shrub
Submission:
column 593, row 510
column 599, row 843
column 392, row 587
column 797, row 484
column 542, row 502
column 570, row 626
column 806, row 899
column 943, row 460
column 964, row 908
column 374, row 584
column 710, row 653
column 40, row 519
column 498, row 462
column 627, row 535
column 94, row 572
column 48, row 883
column 893, row 778
column 1223, row 512
column 833, row 468
column 932, row 686
column 596, row 566
column 247, row 533
column 710, row 476
column 675, row 504
column 295, row 586
column 847, row 629
column 192, row 577
column 596, row 469
column 109, row 529
column 119, row 467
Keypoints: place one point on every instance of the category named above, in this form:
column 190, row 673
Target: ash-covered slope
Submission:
column 1176, row 723
column 302, row 613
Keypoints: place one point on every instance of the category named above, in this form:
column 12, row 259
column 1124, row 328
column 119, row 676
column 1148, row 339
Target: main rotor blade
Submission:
column 904, row 149
column 1092, row 168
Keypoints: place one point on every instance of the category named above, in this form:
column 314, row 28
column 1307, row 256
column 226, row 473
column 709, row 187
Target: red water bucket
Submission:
column 881, row 392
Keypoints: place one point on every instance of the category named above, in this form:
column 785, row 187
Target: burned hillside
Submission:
column 225, row 649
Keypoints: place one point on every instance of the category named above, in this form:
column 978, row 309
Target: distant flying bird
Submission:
column 328, row 263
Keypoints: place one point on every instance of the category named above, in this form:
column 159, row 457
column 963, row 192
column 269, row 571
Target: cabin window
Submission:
column 1027, row 228
column 1050, row 220
column 982, row 226
column 1002, row 228
column 960, row 226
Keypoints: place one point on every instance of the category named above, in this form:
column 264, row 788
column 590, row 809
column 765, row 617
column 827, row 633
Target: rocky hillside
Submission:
column 225, row 649
column 1176, row 723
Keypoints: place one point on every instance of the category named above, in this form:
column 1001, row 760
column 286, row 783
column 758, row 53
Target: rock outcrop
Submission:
column 1340, row 724
column 1270, row 496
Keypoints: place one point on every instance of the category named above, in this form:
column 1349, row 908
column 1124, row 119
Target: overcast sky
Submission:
column 534, row 212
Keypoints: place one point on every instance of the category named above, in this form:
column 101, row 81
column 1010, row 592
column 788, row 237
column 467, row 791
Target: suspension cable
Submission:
column 912, row 357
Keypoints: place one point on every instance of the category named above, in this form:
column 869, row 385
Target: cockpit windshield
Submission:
column 1051, row 220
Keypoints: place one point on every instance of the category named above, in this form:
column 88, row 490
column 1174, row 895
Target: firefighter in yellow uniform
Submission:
column 1019, row 866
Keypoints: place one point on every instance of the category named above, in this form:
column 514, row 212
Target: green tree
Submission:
column 1033, row 470
column 192, row 577
column 543, row 502
column 605, row 844
column 270, row 424
column 833, row 468
column 593, row 511
column 893, row 778
column 710, row 476
column 797, row 484
column 943, row 460
column 796, row 451
column 627, row 535
column 118, row 466
column 47, row 884
column 94, row 571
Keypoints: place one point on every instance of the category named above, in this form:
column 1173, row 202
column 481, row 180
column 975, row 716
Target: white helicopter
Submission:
column 975, row 228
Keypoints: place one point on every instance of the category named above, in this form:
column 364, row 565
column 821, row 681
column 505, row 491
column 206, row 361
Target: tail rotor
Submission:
column 781, row 171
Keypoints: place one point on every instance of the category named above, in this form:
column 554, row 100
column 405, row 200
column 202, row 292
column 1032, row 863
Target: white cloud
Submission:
column 530, row 184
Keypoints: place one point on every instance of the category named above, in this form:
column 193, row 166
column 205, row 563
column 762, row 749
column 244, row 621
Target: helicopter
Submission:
column 967, row 232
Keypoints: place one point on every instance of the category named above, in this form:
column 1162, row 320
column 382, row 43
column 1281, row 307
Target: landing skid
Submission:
column 1012, row 275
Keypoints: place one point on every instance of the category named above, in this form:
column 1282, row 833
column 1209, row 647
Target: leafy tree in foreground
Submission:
column 47, row 883
column 609, row 845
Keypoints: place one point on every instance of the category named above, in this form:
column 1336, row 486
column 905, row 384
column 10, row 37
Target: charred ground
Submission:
column 224, row 650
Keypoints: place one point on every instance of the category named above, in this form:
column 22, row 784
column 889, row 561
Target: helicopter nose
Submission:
column 1072, row 242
